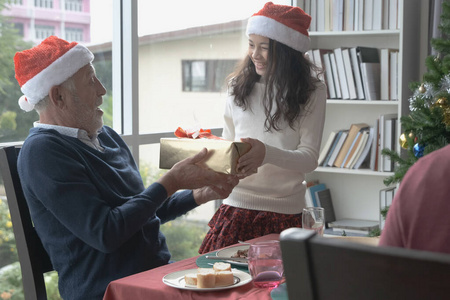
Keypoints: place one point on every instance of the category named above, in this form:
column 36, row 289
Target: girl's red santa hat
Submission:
column 282, row 23
column 50, row 63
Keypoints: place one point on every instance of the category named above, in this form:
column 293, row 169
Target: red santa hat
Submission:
column 282, row 23
column 50, row 63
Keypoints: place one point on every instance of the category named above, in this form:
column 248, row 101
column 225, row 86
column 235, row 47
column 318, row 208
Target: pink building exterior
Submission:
column 37, row 19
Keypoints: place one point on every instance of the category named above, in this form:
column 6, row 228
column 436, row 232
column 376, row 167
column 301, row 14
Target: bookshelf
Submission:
column 355, row 193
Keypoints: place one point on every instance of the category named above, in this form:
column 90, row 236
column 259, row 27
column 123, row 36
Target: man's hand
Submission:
column 186, row 174
column 208, row 193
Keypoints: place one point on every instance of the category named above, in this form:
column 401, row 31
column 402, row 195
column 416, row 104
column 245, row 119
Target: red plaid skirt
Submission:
column 230, row 224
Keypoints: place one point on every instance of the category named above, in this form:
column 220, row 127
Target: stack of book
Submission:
column 351, row 15
column 358, row 73
column 363, row 227
column 360, row 146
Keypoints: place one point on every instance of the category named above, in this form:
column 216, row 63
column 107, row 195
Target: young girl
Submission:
column 277, row 106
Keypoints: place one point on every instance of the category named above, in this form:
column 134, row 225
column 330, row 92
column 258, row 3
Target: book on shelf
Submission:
column 386, row 198
column 329, row 76
column 320, row 19
column 327, row 146
column 352, row 133
column 385, row 16
column 337, row 147
column 325, row 200
column 341, row 73
column 377, row 14
column 337, row 84
column 388, row 74
column 393, row 14
column 369, row 62
column 388, row 128
column 357, row 73
column 319, row 61
column 352, row 148
column 354, row 225
column 375, row 146
column 368, row 14
column 359, row 147
column 384, row 73
column 349, row 15
column 393, row 75
column 364, row 159
column 313, row 8
column 310, row 194
column 338, row 15
column 359, row 15
column 349, row 73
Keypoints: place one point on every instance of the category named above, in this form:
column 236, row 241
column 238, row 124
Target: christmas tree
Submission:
column 427, row 127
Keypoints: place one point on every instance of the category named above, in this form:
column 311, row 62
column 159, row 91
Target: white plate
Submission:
column 228, row 252
column 176, row 280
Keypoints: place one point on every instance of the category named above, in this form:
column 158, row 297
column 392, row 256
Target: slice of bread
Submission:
column 224, row 278
column 191, row 278
column 206, row 278
column 221, row 266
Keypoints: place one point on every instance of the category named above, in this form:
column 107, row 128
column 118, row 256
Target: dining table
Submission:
column 149, row 284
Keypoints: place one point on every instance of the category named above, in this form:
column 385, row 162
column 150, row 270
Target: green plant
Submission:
column 184, row 237
column 8, row 250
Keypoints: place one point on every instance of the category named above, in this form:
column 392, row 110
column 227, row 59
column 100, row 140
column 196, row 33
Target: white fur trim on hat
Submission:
column 56, row 73
column 265, row 26
column 25, row 104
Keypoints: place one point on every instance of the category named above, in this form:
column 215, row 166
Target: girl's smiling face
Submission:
column 258, row 51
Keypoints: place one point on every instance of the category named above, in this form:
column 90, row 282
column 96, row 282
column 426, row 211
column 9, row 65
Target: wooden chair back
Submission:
column 34, row 260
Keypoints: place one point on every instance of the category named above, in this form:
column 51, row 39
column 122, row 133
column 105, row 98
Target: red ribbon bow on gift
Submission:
column 197, row 134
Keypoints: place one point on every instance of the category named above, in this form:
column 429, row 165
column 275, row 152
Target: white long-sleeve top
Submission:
column 290, row 153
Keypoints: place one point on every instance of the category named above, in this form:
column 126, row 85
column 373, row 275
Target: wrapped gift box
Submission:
column 222, row 155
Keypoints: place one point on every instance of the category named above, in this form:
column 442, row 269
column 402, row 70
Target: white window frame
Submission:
column 125, row 56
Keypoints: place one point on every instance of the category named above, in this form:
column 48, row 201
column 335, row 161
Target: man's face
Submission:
column 82, row 105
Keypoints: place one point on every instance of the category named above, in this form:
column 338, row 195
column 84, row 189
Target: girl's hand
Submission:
column 252, row 160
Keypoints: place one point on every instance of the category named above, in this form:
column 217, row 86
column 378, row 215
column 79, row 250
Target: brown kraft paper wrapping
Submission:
column 222, row 155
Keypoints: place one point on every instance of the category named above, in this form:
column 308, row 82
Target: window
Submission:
column 74, row 5
column 206, row 75
column 74, row 34
column 43, row 31
column 43, row 3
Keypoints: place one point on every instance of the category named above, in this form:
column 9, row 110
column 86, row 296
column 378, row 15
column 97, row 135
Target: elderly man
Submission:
column 87, row 200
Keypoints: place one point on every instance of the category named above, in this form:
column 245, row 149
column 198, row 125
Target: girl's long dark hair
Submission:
column 289, row 84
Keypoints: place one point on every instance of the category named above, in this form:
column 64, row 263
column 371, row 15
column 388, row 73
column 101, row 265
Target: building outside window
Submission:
column 73, row 5
column 74, row 34
column 43, row 3
column 43, row 31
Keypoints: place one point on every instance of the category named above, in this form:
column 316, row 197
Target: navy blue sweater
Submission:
column 96, row 219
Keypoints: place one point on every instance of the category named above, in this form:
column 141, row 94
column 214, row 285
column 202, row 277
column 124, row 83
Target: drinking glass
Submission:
column 265, row 264
column 313, row 218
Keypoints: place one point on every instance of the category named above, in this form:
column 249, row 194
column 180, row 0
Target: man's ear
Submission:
column 56, row 96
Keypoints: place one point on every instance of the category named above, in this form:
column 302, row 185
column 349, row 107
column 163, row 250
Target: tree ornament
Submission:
column 418, row 150
column 403, row 141
column 441, row 102
column 437, row 58
column 422, row 88
column 411, row 135
column 447, row 116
